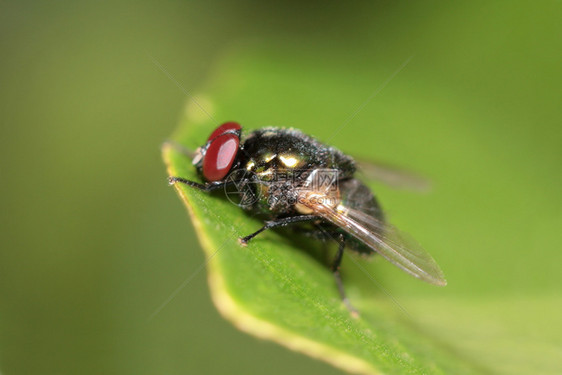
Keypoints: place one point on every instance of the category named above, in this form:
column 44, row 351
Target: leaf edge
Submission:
column 241, row 318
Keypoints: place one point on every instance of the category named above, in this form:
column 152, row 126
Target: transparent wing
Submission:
column 383, row 238
column 393, row 176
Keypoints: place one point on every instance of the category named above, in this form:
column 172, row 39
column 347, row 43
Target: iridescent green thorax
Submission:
column 289, row 150
column 281, row 159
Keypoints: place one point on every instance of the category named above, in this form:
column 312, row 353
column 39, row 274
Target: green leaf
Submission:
column 279, row 287
column 275, row 290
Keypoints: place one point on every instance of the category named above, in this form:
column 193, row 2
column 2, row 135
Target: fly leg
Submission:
column 336, row 271
column 209, row 186
column 278, row 223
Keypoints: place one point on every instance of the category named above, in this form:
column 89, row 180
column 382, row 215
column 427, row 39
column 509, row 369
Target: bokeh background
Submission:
column 93, row 241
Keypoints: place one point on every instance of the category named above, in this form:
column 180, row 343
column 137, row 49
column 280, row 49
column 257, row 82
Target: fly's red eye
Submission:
column 227, row 126
column 219, row 156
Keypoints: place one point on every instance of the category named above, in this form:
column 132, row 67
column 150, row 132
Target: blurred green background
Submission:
column 94, row 241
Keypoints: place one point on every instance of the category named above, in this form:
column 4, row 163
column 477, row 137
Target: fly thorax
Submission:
column 281, row 196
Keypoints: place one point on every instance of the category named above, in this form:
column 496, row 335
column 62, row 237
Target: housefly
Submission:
column 292, row 179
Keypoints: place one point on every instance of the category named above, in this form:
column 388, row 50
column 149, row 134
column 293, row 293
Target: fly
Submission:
column 290, row 178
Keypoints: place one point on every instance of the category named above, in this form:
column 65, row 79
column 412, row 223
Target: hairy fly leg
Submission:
column 337, row 275
column 209, row 186
column 279, row 223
